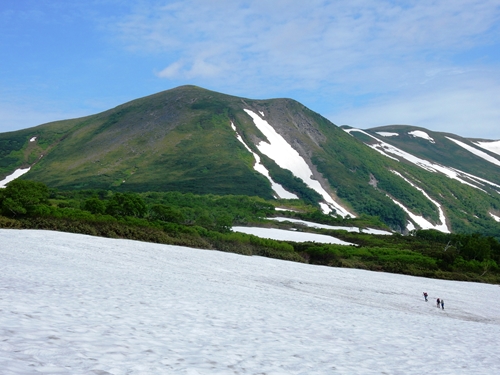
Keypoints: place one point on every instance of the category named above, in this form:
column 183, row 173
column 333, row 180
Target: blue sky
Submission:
column 364, row 63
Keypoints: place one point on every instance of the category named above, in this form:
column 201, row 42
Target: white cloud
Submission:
column 372, row 48
column 269, row 33
column 171, row 71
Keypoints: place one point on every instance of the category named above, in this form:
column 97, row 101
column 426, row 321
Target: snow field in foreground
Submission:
column 74, row 304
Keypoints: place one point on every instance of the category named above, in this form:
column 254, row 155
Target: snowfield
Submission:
column 74, row 304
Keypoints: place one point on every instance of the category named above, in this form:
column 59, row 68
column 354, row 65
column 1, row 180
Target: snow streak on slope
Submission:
column 453, row 173
column 388, row 134
column 493, row 146
column 17, row 173
column 280, row 191
column 424, row 224
column 75, row 305
column 287, row 157
column 497, row 218
column 476, row 152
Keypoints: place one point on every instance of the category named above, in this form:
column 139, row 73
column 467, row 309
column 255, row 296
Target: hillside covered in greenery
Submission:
column 186, row 140
column 205, row 221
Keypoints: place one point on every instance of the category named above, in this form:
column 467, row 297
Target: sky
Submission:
column 363, row 63
column 74, row 304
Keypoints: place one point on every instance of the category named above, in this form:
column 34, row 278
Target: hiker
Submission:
column 437, row 303
column 442, row 304
column 425, row 296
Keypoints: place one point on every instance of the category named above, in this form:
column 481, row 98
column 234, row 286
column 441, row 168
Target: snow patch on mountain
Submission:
column 17, row 173
column 421, row 134
column 425, row 224
column 476, row 152
column 283, row 154
column 493, row 146
column 32, row 139
column 278, row 189
column 388, row 134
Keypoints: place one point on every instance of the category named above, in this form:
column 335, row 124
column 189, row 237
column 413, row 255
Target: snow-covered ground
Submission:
column 74, row 304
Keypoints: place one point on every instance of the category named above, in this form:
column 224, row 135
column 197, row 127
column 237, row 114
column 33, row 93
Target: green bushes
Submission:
column 126, row 204
column 374, row 258
column 94, row 205
column 23, row 197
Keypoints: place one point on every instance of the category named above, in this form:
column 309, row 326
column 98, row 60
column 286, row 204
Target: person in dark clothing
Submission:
column 438, row 302
column 425, row 296
column 442, row 304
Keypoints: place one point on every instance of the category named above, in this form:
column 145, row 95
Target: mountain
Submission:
column 194, row 140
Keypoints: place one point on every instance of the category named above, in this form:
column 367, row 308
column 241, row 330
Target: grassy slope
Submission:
column 154, row 143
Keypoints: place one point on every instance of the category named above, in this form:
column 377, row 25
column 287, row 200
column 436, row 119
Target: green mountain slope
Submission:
column 183, row 140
